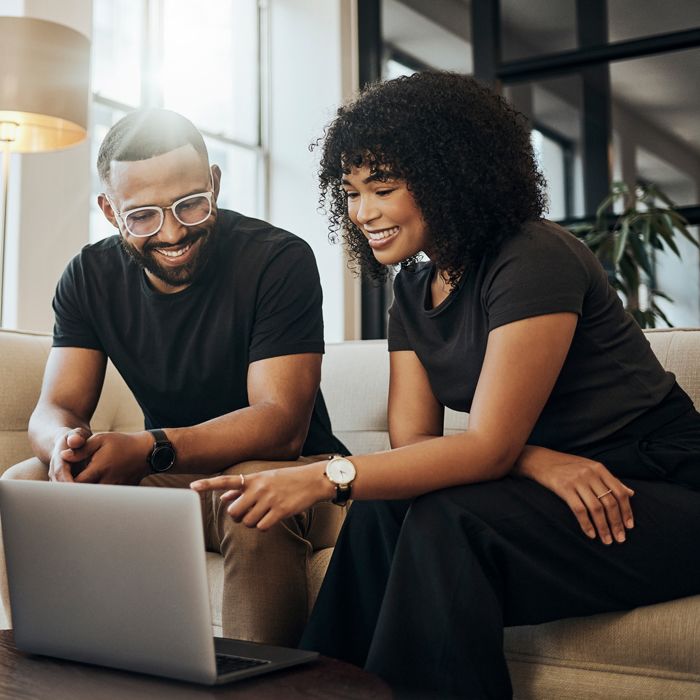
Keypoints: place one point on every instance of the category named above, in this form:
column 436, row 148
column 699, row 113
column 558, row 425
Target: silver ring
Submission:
column 242, row 481
column 605, row 493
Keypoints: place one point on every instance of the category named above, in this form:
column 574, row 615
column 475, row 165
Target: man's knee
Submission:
column 31, row 469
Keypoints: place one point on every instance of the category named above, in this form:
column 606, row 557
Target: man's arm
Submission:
column 72, row 384
column 281, row 394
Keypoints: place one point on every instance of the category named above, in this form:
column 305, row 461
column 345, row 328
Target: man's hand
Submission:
column 263, row 499
column 60, row 467
column 111, row 458
column 600, row 501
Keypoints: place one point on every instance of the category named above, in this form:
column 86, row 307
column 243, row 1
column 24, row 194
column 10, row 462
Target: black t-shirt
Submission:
column 185, row 356
column 610, row 375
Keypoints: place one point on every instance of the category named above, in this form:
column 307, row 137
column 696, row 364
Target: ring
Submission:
column 243, row 480
column 605, row 493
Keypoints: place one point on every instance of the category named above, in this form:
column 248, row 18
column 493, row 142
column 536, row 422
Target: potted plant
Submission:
column 626, row 243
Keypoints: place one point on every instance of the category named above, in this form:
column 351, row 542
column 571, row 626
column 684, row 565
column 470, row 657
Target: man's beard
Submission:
column 174, row 276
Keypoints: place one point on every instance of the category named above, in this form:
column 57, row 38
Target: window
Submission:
column 150, row 53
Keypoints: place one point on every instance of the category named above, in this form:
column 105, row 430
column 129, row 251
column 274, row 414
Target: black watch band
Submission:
column 343, row 493
column 162, row 456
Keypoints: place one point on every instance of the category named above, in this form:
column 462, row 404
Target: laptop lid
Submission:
column 109, row 575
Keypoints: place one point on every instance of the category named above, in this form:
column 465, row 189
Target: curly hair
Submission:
column 463, row 151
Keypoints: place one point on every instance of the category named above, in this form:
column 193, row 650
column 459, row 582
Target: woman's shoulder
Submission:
column 543, row 235
column 542, row 245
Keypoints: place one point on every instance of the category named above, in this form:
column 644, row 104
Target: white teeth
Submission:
column 174, row 253
column 379, row 235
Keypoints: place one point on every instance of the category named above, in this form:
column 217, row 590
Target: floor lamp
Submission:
column 44, row 89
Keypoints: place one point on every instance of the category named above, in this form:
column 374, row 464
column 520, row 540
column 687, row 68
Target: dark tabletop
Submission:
column 38, row 677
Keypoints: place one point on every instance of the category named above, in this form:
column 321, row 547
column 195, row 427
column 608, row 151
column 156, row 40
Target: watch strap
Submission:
column 343, row 493
column 160, row 436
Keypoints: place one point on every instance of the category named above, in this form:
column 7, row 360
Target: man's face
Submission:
column 175, row 256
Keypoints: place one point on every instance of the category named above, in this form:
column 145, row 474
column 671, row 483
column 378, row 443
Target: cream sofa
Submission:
column 648, row 653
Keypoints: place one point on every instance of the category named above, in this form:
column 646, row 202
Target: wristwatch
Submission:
column 162, row 455
column 341, row 472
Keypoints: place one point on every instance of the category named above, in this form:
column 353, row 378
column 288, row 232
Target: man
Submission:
column 214, row 321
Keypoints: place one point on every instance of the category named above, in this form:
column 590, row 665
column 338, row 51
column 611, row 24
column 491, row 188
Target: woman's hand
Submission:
column 261, row 500
column 600, row 501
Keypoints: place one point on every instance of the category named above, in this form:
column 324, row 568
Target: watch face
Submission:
column 162, row 458
column 340, row 470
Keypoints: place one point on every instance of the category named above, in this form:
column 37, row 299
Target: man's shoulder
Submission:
column 239, row 231
column 108, row 248
column 105, row 258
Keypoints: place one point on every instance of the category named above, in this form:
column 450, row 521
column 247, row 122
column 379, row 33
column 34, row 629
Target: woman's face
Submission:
column 383, row 208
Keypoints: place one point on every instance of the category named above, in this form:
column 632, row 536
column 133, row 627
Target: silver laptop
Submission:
column 116, row 576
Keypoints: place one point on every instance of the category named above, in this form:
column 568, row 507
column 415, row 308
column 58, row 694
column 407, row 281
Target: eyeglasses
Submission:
column 143, row 222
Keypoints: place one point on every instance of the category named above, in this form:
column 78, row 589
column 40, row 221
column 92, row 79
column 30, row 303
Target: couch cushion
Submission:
column 21, row 371
column 678, row 349
column 355, row 385
column 618, row 640
column 544, row 681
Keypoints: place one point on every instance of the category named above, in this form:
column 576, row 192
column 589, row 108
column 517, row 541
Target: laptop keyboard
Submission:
column 228, row 664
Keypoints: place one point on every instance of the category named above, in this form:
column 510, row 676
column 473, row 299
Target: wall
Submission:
column 312, row 70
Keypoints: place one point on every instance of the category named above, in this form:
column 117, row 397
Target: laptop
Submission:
column 116, row 576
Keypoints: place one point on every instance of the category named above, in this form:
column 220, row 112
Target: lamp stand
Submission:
column 6, row 154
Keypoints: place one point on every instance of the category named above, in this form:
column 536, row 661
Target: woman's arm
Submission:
column 522, row 362
column 414, row 413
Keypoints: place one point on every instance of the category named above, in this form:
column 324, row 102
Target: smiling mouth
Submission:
column 384, row 233
column 173, row 252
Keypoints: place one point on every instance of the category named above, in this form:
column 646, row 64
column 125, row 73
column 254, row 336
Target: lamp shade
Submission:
column 44, row 85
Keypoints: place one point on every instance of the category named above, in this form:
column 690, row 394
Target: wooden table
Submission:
column 24, row 677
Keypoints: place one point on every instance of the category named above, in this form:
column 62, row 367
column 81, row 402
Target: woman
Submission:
column 522, row 518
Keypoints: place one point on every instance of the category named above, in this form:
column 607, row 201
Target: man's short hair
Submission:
column 146, row 133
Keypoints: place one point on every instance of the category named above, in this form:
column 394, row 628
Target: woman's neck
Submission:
column 440, row 287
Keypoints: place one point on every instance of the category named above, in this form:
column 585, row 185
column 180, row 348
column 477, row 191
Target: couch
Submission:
column 650, row 652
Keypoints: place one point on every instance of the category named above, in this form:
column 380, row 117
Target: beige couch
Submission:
column 648, row 653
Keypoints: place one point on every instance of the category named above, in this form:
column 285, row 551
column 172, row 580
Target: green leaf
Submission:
column 581, row 230
column 665, row 229
column 630, row 275
column 621, row 241
column 658, row 312
column 680, row 224
column 639, row 317
column 602, row 210
column 663, row 295
column 678, row 220
column 640, row 254
column 657, row 242
column 656, row 193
